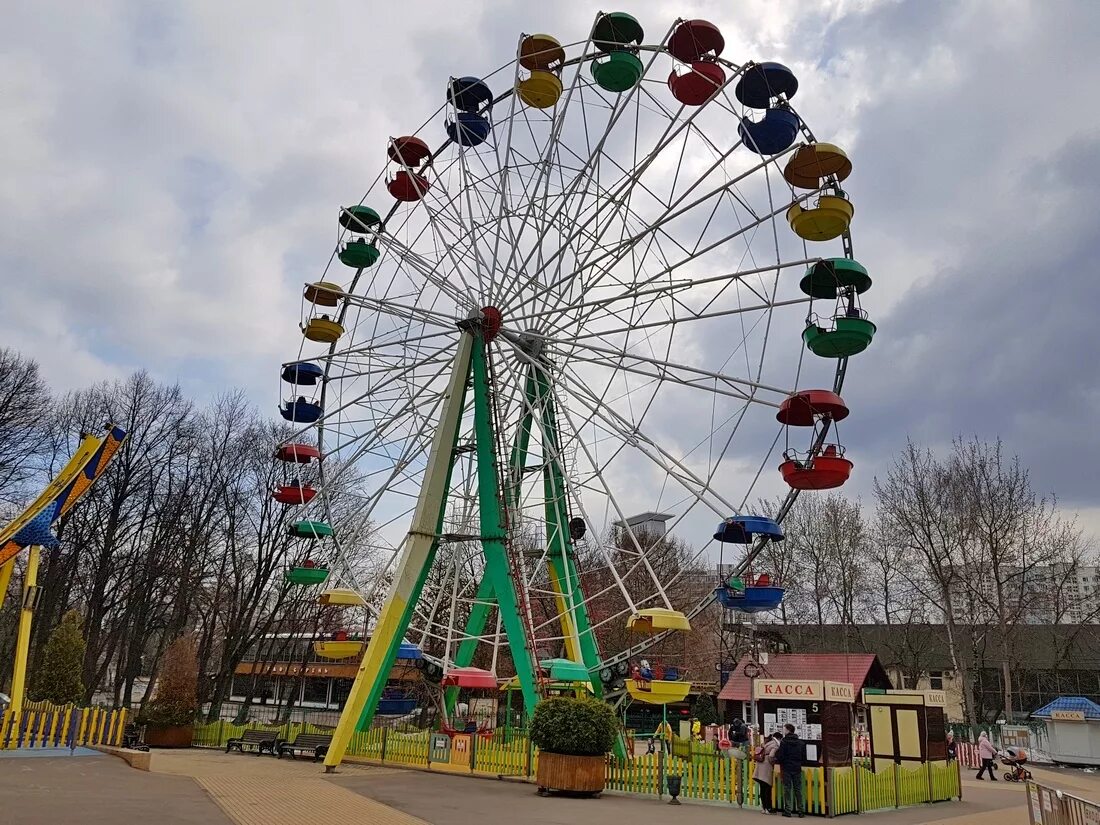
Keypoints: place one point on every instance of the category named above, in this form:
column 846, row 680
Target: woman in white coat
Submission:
column 764, row 772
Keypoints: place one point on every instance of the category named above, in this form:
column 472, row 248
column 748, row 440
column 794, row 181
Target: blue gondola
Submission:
column 410, row 652
column 303, row 373
column 300, row 411
column 771, row 135
column 753, row 599
column 743, row 529
column 468, row 129
column 468, row 94
column 763, row 82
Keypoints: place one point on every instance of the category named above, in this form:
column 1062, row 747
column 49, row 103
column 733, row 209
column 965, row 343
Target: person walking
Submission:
column 764, row 771
column 988, row 754
column 952, row 748
column 790, row 757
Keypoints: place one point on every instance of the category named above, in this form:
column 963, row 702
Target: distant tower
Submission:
column 651, row 523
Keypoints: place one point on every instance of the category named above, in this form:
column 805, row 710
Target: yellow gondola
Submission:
column 657, row 691
column 809, row 165
column 654, row 619
column 342, row 597
column 324, row 293
column 323, row 330
column 338, row 649
column 542, row 55
column 829, row 219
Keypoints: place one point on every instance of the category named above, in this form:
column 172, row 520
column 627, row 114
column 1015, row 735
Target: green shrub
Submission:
column 578, row 727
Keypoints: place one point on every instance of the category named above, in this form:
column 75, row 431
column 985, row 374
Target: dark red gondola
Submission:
column 294, row 493
column 801, row 409
column 408, row 186
column 693, row 39
column 409, row 150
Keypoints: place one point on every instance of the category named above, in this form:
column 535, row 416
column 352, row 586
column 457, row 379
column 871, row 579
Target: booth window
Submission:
column 936, row 733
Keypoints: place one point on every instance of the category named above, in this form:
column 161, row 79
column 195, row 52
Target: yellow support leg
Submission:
column 23, row 640
column 412, row 568
column 5, row 578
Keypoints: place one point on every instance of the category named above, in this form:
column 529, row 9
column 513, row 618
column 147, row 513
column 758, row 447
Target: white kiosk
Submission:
column 1073, row 730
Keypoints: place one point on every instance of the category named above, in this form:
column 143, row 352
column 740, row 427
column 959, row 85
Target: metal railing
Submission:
column 1052, row 806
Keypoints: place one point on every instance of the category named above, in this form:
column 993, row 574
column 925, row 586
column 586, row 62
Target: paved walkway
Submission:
column 213, row 788
column 260, row 790
column 452, row 800
column 98, row 790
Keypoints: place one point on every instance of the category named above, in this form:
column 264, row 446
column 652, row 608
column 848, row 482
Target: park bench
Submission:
column 257, row 740
column 315, row 744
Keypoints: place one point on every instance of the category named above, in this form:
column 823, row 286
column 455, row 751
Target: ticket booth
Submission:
column 820, row 710
column 908, row 727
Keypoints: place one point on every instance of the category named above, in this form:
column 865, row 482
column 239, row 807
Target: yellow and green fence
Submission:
column 705, row 776
column 44, row 725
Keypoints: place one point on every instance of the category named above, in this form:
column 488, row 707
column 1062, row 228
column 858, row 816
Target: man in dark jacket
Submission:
column 790, row 757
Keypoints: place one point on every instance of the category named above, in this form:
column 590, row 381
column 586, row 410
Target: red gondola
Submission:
column 294, row 494
column 408, row 186
column 297, row 453
column 695, row 88
column 825, row 471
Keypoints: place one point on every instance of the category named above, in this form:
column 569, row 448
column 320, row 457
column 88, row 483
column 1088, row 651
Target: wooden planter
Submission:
column 168, row 736
column 572, row 774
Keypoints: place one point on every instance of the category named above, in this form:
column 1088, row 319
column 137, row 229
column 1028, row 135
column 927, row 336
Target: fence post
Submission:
column 386, row 739
column 897, row 790
column 473, row 751
column 856, row 769
column 661, row 772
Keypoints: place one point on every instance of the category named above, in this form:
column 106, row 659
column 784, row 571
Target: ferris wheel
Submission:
column 584, row 312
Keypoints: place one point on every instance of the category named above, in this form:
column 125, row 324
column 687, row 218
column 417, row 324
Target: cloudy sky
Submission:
column 171, row 174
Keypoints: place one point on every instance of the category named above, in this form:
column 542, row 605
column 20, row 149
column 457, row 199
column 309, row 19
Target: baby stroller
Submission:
column 1015, row 758
column 133, row 737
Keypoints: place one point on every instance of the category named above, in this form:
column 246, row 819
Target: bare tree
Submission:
column 918, row 512
column 25, row 417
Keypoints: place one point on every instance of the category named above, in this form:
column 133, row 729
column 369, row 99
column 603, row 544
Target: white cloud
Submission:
column 172, row 175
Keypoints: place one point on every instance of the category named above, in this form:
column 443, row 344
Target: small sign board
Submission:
column 839, row 692
column 935, row 698
column 798, row 689
column 460, row 749
column 441, row 748
column 1067, row 715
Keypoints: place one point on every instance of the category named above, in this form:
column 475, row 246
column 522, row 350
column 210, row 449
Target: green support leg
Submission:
column 479, row 613
column 493, row 536
column 561, row 558
column 412, row 570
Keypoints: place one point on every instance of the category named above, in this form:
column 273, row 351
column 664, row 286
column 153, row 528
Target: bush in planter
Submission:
column 170, row 714
column 573, row 736
column 578, row 727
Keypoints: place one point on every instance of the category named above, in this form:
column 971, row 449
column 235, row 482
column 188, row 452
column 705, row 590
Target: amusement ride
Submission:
column 606, row 278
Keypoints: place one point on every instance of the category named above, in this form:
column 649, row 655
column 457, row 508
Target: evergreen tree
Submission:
column 705, row 711
column 176, row 700
column 59, row 676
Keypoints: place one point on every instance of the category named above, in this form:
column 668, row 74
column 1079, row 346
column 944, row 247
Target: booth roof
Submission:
column 859, row 669
column 1087, row 706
